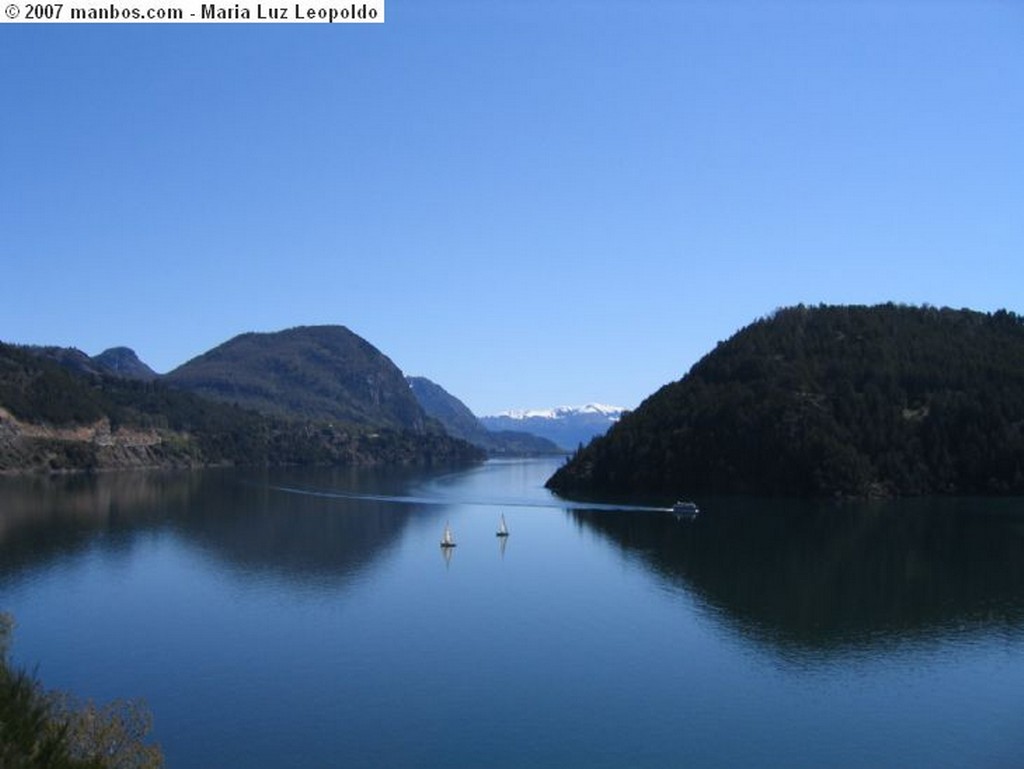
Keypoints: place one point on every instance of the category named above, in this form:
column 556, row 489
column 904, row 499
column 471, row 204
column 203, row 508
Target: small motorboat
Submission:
column 684, row 509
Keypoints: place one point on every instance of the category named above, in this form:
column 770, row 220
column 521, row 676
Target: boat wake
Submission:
column 552, row 503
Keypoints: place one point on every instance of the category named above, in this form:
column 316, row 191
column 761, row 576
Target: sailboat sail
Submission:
column 447, row 540
column 502, row 528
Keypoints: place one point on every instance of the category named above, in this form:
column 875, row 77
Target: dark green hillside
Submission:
column 37, row 387
column 70, row 358
column 320, row 373
column 52, row 418
column 858, row 401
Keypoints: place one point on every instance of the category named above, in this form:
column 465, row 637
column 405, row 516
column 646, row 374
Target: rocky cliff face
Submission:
column 26, row 446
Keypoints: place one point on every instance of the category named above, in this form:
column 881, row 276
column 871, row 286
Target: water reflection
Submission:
column 823, row 576
column 447, row 553
column 239, row 518
column 45, row 518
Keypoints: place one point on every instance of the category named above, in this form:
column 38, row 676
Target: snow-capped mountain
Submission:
column 567, row 426
column 562, row 412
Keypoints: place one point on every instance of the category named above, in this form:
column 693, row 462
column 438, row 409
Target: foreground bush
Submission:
column 51, row 730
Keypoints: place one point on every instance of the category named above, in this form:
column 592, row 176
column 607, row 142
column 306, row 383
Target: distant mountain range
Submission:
column 460, row 422
column 565, row 426
column 305, row 395
column 328, row 373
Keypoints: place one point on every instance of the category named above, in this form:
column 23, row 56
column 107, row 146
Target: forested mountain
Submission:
column 53, row 417
column 823, row 401
column 459, row 421
column 321, row 373
column 122, row 361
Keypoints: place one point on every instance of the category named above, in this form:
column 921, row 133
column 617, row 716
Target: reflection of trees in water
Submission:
column 820, row 576
column 260, row 528
column 43, row 518
column 237, row 516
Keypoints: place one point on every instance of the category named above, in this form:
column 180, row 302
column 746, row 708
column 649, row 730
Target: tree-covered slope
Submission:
column 308, row 372
column 859, row 401
column 58, row 418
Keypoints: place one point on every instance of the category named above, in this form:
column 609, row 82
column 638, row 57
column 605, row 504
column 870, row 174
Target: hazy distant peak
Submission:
column 124, row 362
column 117, row 361
column 567, row 426
column 460, row 422
column 559, row 412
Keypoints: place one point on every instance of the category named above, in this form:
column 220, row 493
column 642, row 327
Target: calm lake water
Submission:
column 310, row 619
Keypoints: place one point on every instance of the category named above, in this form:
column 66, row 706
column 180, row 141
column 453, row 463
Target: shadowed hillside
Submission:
column 856, row 401
column 311, row 372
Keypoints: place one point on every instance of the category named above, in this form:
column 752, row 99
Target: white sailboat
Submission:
column 502, row 528
column 447, row 540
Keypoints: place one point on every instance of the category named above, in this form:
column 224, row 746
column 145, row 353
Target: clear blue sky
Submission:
column 531, row 203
